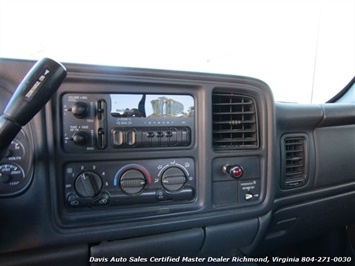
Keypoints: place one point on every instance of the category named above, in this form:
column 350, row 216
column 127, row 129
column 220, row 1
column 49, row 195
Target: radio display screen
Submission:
column 152, row 105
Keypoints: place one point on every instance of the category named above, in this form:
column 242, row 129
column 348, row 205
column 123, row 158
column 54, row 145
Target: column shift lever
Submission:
column 31, row 95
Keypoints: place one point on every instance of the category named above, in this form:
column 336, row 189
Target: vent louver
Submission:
column 294, row 162
column 234, row 122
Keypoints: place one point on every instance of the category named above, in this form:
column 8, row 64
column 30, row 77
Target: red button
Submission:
column 236, row 171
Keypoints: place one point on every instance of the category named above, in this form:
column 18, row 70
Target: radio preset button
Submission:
column 172, row 137
column 117, row 137
column 150, row 134
column 185, row 136
column 131, row 138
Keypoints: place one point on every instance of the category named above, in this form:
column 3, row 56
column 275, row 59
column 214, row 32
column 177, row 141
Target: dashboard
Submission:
column 138, row 162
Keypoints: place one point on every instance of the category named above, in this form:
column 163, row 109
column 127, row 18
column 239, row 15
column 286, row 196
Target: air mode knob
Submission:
column 88, row 184
column 80, row 109
column 173, row 179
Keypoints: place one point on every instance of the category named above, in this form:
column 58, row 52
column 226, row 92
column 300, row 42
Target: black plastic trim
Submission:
column 340, row 94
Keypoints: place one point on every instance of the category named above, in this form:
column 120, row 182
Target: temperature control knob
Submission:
column 88, row 184
column 173, row 179
column 133, row 181
column 80, row 109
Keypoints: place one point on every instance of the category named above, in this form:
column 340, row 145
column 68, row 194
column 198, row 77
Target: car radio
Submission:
column 117, row 122
column 96, row 122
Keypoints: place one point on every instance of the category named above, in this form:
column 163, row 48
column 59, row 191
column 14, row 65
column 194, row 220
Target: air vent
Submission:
column 234, row 122
column 294, row 160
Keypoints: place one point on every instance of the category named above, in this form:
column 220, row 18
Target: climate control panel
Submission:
column 117, row 183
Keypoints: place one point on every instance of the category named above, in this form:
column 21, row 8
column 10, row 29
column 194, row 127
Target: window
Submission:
column 304, row 50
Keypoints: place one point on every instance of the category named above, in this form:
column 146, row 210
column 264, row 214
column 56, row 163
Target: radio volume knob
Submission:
column 80, row 109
